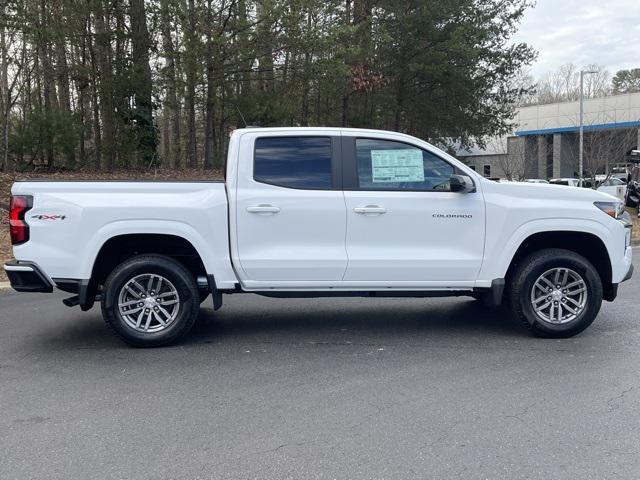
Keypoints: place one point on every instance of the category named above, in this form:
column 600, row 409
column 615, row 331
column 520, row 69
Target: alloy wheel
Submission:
column 148, row 303
column 559, row 295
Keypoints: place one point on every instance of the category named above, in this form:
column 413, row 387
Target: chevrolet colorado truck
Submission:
column 310, row 212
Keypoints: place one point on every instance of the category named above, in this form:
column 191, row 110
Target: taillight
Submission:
column 18, row 227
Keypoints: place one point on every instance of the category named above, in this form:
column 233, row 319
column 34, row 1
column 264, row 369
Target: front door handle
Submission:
column 264, row 209
column 370, row 210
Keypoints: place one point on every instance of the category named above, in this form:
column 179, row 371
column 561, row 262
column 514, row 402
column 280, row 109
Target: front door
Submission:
column 290, row 211
column 404, row 225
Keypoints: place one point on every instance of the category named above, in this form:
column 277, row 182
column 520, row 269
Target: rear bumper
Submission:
column 27, row 277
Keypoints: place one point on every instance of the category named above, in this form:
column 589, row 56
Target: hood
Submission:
column 547, row 191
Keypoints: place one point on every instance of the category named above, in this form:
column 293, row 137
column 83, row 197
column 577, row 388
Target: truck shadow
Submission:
column 249, row 318
column 349, row 319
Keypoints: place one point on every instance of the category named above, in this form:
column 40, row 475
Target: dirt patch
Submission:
column 7, row 179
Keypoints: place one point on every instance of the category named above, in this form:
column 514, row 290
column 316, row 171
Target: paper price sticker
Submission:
column 395, row 166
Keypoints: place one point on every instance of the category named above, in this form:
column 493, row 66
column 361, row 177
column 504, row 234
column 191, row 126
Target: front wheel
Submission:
column 555, row 293
column 150, row 300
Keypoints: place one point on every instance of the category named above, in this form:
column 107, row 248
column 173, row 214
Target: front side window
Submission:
column 388, row 165
column 294, row 162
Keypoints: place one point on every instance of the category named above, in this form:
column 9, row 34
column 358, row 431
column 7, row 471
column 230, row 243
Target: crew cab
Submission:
column 310, row 212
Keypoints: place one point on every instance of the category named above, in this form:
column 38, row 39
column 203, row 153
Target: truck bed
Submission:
column 71, row 220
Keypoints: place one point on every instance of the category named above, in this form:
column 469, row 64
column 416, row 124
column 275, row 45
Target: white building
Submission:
column 544, row 143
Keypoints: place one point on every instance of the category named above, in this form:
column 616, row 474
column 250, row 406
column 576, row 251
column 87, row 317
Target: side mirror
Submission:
column 461, row 184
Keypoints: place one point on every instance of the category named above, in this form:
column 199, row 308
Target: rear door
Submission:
column 290, row 211
column 404, row 225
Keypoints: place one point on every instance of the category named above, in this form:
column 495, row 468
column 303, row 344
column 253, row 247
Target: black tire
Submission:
column 527, row 273
column 627, row 200
column 181, row 280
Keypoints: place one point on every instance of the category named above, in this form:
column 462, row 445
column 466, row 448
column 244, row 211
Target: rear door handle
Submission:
column 265, row 209
column 370, row 210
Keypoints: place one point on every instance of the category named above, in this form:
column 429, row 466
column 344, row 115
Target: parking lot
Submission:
column 320, row 388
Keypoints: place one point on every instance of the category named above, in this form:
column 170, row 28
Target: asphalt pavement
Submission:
column 320, row 388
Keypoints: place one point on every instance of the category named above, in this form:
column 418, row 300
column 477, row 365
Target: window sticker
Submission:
column 394, row 166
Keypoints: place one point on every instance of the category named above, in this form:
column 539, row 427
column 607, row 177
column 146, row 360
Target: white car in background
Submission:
column 613, row 186
column 571, row 182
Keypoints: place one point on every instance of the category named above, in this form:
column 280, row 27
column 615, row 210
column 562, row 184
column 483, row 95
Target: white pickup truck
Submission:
column 320, row 212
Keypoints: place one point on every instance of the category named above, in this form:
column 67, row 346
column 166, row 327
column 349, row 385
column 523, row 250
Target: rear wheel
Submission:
column 555, row 293
column 150, row 301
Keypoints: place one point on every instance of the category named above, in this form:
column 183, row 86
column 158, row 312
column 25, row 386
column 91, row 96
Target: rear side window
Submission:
column 294, row 162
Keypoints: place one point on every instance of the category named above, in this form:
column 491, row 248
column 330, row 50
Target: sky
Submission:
column 582, row 32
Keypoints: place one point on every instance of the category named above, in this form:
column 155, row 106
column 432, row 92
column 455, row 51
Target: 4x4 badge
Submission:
column 49, row 217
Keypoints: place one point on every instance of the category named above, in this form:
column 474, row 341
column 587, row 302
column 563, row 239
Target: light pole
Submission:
column 580, row 153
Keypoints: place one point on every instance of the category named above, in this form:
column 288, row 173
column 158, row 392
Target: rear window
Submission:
column 294, row 162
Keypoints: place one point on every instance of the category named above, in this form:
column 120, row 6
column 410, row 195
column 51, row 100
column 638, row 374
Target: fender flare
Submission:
column 505, row 253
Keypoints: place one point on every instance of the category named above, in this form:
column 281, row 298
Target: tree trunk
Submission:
column 190, row 96
column 103, row 54
column 267, row 79
column 48, row 85
column 143, row 87
column 95, row 104
column 4, row 93
column 62, row 76
column 173, row 141
column 209, row 137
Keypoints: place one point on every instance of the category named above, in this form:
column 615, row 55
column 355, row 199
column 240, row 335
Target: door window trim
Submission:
column 336, row 170
column 350, row 179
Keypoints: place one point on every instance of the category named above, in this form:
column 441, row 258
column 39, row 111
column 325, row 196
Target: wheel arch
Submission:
column 119, row 248
column 586, row 244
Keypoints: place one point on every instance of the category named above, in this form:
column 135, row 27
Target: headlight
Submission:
column 613, row 209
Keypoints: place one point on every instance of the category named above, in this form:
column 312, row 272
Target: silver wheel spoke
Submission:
column 148, row 324
column 164, row 312
column 130, row 302
column 139, row 287
column 577, row 304
column 546, row 280
column 132, row 292
column 133, row 310
column 540, row 299
column 574, row 312
column 538, row 309
column 160, row 320
column 167, row 294
column 576, row 292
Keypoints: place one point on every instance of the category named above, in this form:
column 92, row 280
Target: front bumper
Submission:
column 27, row 277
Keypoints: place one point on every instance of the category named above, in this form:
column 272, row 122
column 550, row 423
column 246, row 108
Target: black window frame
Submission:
column 350, row 178
column 336, row 170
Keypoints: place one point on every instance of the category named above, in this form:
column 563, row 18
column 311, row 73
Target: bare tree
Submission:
column 511, row 158
column 563, row 85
